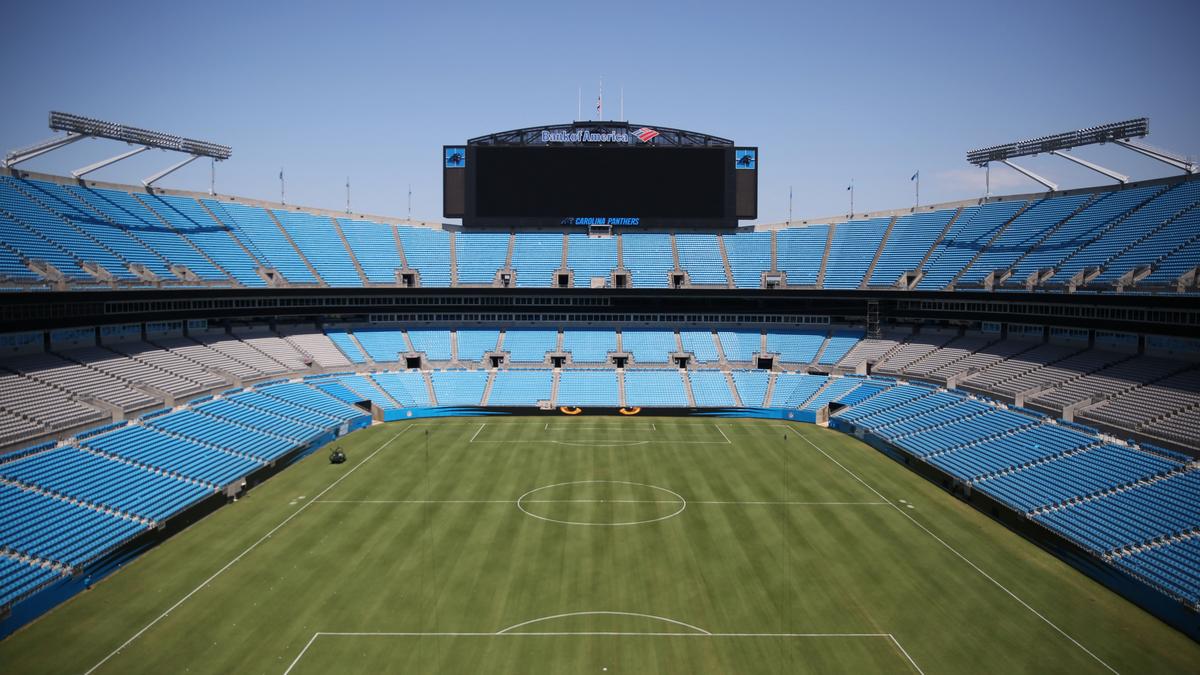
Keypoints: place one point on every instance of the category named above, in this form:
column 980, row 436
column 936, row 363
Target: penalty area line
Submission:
column 243, row 554
column 508, row 633
column 962, row 557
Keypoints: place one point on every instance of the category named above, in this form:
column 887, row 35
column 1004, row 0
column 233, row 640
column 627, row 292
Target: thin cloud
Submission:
column 974, row 181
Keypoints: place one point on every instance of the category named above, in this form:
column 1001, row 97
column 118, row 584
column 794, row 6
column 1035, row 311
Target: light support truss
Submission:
column 79, row 127
column 1119, row 177
column 1053, row 187
column 80, row 173
column 1160, row 155
column 24, row 154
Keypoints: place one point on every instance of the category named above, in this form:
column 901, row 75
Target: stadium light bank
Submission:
column 79, row 127
column 1120, row 133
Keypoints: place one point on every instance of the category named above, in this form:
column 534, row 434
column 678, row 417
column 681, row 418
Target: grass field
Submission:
column 598, row 545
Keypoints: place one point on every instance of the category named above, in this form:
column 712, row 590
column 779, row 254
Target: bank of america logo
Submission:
column 645, row 134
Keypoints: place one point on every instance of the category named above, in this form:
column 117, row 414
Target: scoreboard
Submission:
column 599, row 173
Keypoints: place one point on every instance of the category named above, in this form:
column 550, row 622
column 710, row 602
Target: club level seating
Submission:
column 796, row 346
column 275, row 348
column 590, row 257
column 840, row 343
column 342, row 340
column 798, row 252
column 1063, row 477
column 536, row 256
column 851, row 251
column 434, row 344
column 589, row 345
column 480, row 256
column 257, row 227
column 793, row 390
column 1022, row 233
column 710, row 389
column 835, row 389
column 749, row 255
column 700, row 257
column 521, row 387
column 19, row 578
column 751, row 386
column 459, row 387
column 375, row 247
column 585, row 387
column 663, row 388
column 1143, row 513
column 871, row 350
column 222, row 434
column 317, row 239
column 176, row 456
column 648, row 258
column 406, row 388
column 529, row 345
column 740, row 345
column 911, row 236
column 107, row 483
column 36, row 524
column 383, row 345
column 428, row 252
column 473, row 343
column 700, row 344
column 648, row 346
column 1172, row 565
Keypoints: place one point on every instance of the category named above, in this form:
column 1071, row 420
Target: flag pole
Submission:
column 347, row 194
column 281, row 187
column 579, row 105
column 789, row 205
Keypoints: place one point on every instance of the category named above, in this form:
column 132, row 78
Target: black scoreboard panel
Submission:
column 626, row 182
column 600, row 173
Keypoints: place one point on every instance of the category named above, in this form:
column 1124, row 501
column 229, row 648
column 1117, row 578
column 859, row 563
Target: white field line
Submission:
column 964, row 558
column 727, row 441
column 481, row 426
column 906, row 655
column 593, row 501
column 241, row 555
column 698, row 630
column 700, row 635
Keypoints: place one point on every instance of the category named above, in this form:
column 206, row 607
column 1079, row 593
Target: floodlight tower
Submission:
column 79, row 127
column 1119, row 133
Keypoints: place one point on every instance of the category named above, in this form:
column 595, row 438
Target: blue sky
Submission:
column 830, row 91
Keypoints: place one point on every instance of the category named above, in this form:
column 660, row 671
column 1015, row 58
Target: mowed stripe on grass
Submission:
column 427, row 538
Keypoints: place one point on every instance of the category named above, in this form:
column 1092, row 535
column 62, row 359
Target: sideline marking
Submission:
column 953, row 550
column 241, row 555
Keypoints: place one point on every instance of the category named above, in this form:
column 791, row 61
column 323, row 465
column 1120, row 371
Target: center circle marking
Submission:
column 676, row 495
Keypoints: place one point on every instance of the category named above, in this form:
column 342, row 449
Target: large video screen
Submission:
column 650, row 183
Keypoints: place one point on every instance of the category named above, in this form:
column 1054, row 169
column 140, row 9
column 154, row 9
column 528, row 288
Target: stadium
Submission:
column 599, row 417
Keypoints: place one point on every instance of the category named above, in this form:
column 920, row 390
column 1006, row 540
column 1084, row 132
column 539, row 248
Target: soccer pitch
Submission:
column 598, row 545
